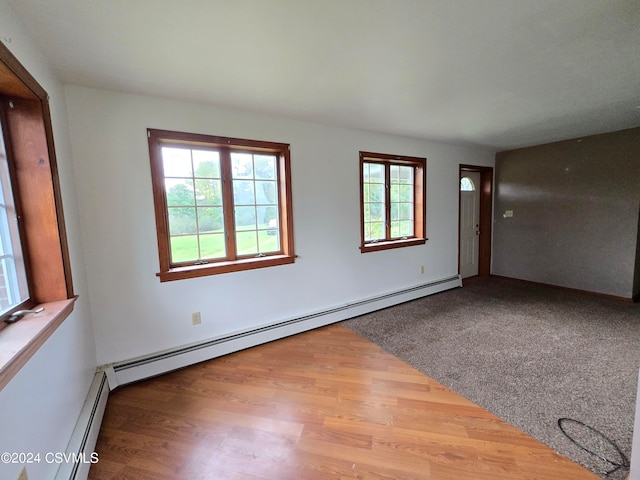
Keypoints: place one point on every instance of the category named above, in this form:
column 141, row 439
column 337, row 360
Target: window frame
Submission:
column 419, row 206
column 30, row 149
column 184, row 270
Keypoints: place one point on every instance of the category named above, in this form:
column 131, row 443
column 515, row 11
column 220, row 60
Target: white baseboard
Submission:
column 83, row 440
column 124, row 372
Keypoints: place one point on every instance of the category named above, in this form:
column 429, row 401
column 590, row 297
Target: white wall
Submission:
column 135, row 314
column 40, row 406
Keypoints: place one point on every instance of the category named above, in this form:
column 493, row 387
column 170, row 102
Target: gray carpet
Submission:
column 529, row 354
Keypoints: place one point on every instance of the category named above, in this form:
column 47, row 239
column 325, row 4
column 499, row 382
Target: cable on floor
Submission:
column 623, row 463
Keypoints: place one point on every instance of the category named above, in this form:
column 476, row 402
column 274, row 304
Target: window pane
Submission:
column 182, row 221
column 177, row 162
column 212, row 246
column 184, row 249
column 367, row 212
column 406, row 211
column 192, row 177
column 394, row 173
column 405, row 175
column 406, row 193
column 401, row 198
column 375, row 173
column 265, row 167
column 375, row 193
column 266, row 193
column 210, row 220
column 247, row 243
column 406, row 228
column 376, row 212
column 267, row 217
column 242, row 165
column 243, row 192
column 179, row 192
column 246, row 218
column 376, row 231
column 268, row 241
column 13, row 277
column 395, row 192
column 206, row 163
column 208, row 192
column 466, row 185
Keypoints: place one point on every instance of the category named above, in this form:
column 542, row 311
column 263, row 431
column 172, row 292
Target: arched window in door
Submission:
column 466, row 185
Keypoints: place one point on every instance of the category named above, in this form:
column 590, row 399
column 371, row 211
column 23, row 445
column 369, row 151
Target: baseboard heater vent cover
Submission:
column 162, row 362
column 81, row 448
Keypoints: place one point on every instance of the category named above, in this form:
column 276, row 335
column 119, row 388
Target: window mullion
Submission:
column 227, row 203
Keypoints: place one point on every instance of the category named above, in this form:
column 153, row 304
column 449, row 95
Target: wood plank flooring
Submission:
column 325, row 404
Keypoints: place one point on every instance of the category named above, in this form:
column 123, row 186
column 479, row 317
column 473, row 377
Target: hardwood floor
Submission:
column 325, row 404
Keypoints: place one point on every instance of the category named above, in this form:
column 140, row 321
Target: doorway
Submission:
column 469, row 224
column 475, row 220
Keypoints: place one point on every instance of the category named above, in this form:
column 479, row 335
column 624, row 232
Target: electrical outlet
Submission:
column 196, row 319
column 23, row 474
column 421, row 269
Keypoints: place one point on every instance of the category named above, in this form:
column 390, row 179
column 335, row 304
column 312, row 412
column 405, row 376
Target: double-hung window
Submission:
column 393, row 201
column 222, row 204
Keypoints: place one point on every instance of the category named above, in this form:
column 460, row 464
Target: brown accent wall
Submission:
column 636, row 277
column 575, row 213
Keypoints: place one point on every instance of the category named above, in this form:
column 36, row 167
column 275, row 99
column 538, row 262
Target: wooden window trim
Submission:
column 29, row 138
column 420, row 200
column 169, row 272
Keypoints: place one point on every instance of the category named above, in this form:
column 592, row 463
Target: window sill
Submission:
column 21, row 340
column 193, row 271
column 374, row 247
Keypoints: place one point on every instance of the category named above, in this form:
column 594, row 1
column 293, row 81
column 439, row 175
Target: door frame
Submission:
column 486, row 216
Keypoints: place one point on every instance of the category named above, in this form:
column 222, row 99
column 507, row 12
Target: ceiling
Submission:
column 497, row 73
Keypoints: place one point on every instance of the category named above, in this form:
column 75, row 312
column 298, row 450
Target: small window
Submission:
column 466, row 185
column 222, row 204
column 393, row 204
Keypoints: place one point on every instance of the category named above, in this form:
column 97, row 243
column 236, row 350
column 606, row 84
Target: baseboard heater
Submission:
column 81, row 447
column 121, row 373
